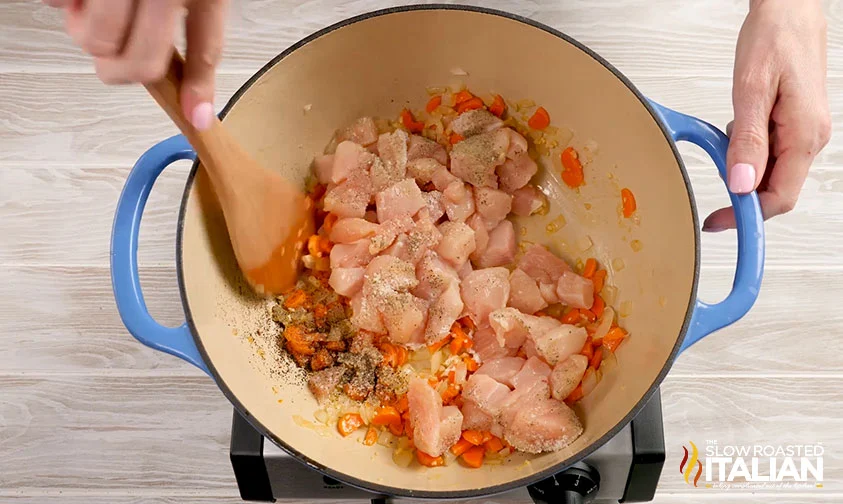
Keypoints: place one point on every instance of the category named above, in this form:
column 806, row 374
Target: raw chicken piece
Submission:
column 324, row 383
column 351, row 229
column 434, row 276
column 365, row 314
column 392, row 148
column 465, row 270
column 422, row 169
column 516, row 173
column 541, row 426
column 492, row 204
column 542, row 264
column 487, row 346
column 488, row 394
column 371, row 216
column 548, row 292
column 475, row 122
column 457, row 242
column 517, row 144
column 349, row 158
column 404, row 316
column 534, row 370
column 442, row 178
column 484, row 291
column 475, row 158
column 350, row 198
column 524, row 294
column 510, row 327
column 575, row 290
column 363, row 131
column 398, row 248
column 458, row 200
column 323, row 166
column 443, row 313
column 346, row 281
column 434, row 205
column 421, row 147
column 529, row 349
column 567, row 375
column 388, row 231
column 527, row 201
column 423, row 237
column 560, row 343
column 401, row 199
column 352, row 255
column 474, row 418
column 500, row 250
column 502, row 369
column 435, row 429
column 388, row 273
column 481, row 235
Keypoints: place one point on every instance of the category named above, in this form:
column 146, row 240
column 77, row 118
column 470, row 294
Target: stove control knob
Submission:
column 576, row 485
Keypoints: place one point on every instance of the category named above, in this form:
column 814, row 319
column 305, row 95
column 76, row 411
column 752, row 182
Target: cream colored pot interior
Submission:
column 378, row 66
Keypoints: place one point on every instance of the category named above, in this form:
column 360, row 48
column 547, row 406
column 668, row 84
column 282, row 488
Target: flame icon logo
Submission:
column 686, row 467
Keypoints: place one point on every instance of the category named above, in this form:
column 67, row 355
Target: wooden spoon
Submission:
column 268, row 218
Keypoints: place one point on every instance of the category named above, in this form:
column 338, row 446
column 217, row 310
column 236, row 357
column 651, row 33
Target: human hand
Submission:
column 132, row 41
column 780, row 103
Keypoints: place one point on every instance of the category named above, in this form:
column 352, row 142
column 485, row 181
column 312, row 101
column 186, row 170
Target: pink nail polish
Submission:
column 203, row 115
column 742, row 178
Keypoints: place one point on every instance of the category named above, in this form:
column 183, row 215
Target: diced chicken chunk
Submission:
column 365, row 314
column 323, row 166
column 488, row 394
column 465, row 270
column 517, row 144
column 401, row 199
column 435, row 428
column 515, row 174
column 484, row 291
column 500, row 250
column 474, row 418
column 435, row 206
column 457, row 242
column 492, row 204
column 502, row 369
column 512, row 327
column 346, row 281
column 560, row 343
column 363, row 131
column 475, row 158
column 524, row 293
column 349, row 158
column 404, row 317
column 542, row 426
column 542, row 264
column 352, row 229
column 481, row 235
column 527, row 201
column 392, row 148
column 487, row 346
column 388, row 231
column 567, row 375
column 324, row 383
column 458, row 200
column 443, row 313
column 421, row 147
column 534, row 370
column 548, row 292
column 475, row 122
column 351, row 197
column 423, row 169
column 390, row 273
column 442, row 178
column 351, row 255
column 575, row 290
column 434, row 276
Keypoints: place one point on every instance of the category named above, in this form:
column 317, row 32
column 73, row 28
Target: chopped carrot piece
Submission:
column 493, row 445
column 434, row 347
column 540, row 119
column 572, row 317
column 456, row 138
column 596, row 358
column 371, row 436
column 450, row 394
column 598, row 306
column 587, row 349
column 462, row 96
column 461, row 447
column 433, row 103
column 320, row 311
column 403, row 355
column 597, row 343
column 428, row 461
column 628, row 200
column 472, row 104
column 614, row 338
column 386, row 415
column 402, row 404
column 467, row 323
column 470, row 364
column 297, row 299
column 349, row 423
column 410, row 122
column 329, row 222
column 389, row 356
column 487, row 436
column 588, row 315
column 599, row 279
column 396, row 429
column 575, row 396
column 297, row 341
column 452, row 377
column 572, row 174
column 473, row 457
column 590, row 267
column 459, row 339
column 474, row 437
column 498, row 106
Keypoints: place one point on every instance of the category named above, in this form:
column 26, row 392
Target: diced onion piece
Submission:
column 402, row 458
column 321, row 416
column 435, row 361
column 450, row 458
column 458, row 71
column 584, row 243
column 609, row 362
column 605, row 323
column 589, row 381
column 386, row 439
column 316, row 263
column 618, row 264
column 609, row 294
column 525, row 103
column 420, row 355
column 636, row 245
column 626, row 309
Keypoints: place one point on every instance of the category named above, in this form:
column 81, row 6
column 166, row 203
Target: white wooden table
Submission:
column 88, row 415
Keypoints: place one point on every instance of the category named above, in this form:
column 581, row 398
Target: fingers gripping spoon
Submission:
column 268, row 218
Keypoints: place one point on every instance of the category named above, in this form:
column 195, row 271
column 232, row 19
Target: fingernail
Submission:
column 742, row 178
column 713, row 229
column 203, row 115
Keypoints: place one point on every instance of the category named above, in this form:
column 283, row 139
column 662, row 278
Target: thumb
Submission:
column 749, row 141
column 205, row 28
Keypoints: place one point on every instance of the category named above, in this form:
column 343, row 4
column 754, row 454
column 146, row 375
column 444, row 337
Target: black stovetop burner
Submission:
column 625, row 469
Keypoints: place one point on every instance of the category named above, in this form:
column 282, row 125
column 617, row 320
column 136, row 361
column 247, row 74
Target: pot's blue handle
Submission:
column 176, row 341
column 708, row 318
